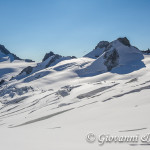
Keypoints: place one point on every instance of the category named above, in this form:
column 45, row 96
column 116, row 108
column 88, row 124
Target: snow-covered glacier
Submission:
column 56, row 104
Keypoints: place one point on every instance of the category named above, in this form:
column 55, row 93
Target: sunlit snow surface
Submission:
column 10, row 69
column 55, row 108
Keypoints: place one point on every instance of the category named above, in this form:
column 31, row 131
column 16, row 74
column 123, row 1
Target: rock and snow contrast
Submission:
column 55, row 104
column 11, row 65
column 50, row 59
column 118, row 56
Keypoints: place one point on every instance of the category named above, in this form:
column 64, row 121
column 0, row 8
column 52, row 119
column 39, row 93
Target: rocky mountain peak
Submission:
column 102, row 44
column 99, row 49
column 118, row 56
column 124, row 41
column 47, row 55
column 5, row 52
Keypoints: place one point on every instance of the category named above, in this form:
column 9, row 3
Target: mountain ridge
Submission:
column 118, row 56
column 74, row 96
column 6, row 53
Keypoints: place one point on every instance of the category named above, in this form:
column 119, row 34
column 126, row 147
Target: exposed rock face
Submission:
column 124, row 41
column 99, row 49
column 50, row 59
column 102, row 44
column 27, row 70
column 2, row 81
column 73, row 57
column 146, row 52
column 29, row 60
column 111, row 59
column 47, row 55
column 118, row 56
column 55, row 57
column 6, row 52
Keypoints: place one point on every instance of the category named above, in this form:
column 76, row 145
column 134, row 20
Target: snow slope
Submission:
column 116, row 57
column 99, row 49
column 56, row 107
column 50, row 59
column 9, row 70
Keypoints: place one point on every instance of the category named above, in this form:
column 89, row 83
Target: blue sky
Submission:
column 30, row 28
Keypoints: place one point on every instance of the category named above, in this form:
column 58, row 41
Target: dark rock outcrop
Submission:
column 47, row 55
column 27, row 70
column 55, row 57
column 6, row 52
column 124, row 41
column 29, row 60
column 102, row 44
column 73, row 57
column 111, row 59
column 49, row 59
column 146, row 52
column 98, row 50
column 2, row 81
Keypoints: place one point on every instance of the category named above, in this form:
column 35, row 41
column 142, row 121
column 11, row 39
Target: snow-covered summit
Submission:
column 118, row 56
column 103, row 46
column 47, row 55
column 33, row 110
column 124, row 41
column 50, row 59
column 99, row 49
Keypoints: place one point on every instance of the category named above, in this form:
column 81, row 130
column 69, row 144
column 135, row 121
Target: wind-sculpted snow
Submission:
column 36, row 76
column 74, row 97
column 94, row 92
column 42, row 118
column 130, row 92
column 9, row 70
column 7, row 93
